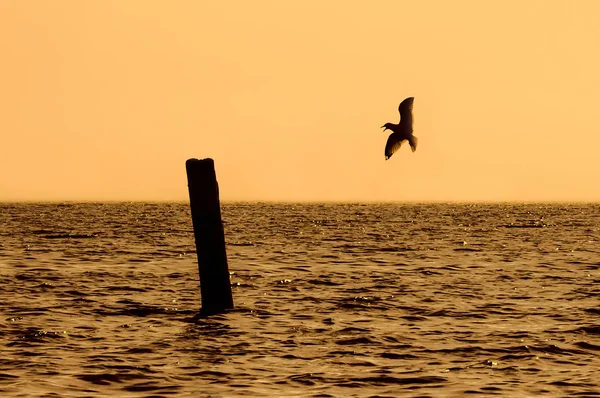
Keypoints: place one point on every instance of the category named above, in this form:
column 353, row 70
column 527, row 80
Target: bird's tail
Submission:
column 412, row 141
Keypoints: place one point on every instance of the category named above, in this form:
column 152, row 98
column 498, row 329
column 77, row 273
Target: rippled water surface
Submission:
column 332, row 300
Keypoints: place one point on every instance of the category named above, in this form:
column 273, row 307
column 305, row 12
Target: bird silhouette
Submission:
column 402, row 131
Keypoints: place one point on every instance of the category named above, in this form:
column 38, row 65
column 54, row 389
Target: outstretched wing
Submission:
column 413, row 141
column 406, row 107
column 393, row 144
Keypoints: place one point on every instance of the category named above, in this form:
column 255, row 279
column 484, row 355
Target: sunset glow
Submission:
column 106, row 100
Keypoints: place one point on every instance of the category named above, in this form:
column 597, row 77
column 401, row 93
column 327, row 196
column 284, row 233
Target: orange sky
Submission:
column 105, row 100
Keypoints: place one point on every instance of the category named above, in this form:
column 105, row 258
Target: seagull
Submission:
column 402, row 131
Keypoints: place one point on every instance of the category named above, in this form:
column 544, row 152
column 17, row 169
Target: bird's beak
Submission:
column 384, row 128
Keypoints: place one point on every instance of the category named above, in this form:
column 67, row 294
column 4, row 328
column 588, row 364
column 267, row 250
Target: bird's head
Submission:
column 387, row 126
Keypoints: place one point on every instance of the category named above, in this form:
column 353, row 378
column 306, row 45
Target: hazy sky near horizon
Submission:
column 105, row 100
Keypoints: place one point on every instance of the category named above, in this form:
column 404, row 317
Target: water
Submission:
column 332, row 300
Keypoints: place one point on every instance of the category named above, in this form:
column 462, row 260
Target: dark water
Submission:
column 332, row 300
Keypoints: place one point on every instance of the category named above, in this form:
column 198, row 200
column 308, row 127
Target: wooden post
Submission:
column 215, row 287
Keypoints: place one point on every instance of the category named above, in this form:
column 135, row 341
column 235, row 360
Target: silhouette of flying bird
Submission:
column 402, row 131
